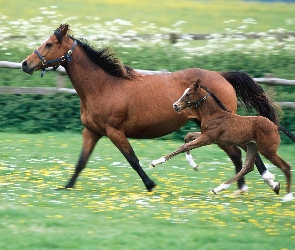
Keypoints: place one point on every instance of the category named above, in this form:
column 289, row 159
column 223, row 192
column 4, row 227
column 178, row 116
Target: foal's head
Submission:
column 192, row 97
column 51, row 53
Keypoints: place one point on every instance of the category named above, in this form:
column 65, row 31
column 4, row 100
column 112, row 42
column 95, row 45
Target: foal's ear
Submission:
column 197, row 84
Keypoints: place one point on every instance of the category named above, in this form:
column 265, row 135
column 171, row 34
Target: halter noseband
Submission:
column 67, row 56
column 198, row 102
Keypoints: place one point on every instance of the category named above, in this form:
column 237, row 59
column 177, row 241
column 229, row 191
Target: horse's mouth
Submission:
column 27, row 69
column 177, row 108
column 30, row 71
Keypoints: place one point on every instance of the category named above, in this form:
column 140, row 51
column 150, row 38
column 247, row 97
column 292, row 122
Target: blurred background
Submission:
column 257, row 37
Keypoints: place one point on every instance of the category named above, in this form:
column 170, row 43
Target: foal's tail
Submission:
column 251, row 95
column 287, row 132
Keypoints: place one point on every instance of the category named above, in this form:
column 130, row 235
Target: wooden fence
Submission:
column 268, row 81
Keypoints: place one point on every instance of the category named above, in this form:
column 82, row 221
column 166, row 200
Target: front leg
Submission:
column 189, row 137
column 199, row 142
column 90, row 139
column 119, row 139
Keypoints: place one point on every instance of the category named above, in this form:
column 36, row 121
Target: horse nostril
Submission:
column 24, row 64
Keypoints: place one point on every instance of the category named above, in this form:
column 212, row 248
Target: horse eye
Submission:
column 48, row 45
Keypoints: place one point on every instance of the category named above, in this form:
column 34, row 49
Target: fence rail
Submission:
column 269, row 81
column 174, row 37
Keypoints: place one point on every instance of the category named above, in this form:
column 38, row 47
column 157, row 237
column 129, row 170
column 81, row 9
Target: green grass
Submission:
column 110, row 209
column 201, row 16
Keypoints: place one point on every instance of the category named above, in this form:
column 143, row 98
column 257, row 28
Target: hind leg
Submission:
column 248, row 167
column 286, row 168
column 267, row 176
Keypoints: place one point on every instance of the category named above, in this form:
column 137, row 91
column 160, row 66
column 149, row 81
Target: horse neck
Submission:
column 209, row 106
column 85, row 75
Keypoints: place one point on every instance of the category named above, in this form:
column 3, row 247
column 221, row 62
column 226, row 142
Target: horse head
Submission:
column 53, row 52
column 191, row 96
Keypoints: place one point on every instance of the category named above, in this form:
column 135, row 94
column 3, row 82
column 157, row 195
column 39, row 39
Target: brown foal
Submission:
column 226, row 128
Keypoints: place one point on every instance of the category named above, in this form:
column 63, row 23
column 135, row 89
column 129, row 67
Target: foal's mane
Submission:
column 215, row 98
column 104, row 57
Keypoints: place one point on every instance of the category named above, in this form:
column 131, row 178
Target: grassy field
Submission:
column 200, row 16
column 110, row 209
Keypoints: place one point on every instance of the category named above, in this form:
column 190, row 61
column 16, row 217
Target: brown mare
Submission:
column 225, row 128
column 120, row 103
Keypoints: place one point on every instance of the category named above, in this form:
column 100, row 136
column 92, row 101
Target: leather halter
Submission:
column 197, row 103
column 67, row 56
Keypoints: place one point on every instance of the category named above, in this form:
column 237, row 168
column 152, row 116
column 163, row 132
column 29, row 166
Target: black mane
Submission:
column 216, row 99
column 104, row 57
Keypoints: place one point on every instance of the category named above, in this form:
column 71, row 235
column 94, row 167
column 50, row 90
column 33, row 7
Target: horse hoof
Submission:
column 196, row 168
column 152, row 165
column 277, row 188
column 213, row 191
column 64, row 188
column 150, row 186
column 288, row 197
column 244, row 189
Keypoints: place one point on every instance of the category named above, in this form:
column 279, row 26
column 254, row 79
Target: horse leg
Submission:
column 90, row 139
column 235, row 155
column 189, row 137
column 266, row 175
column 251, row 153
column 203, row 140
column 285, row 167
column 119, row 139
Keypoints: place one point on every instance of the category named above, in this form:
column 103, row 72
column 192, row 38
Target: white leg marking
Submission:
column 191, row 161
column 288, row 197
column 159, row 161
column 267, row 176
column 221, row 187
column 244, row 189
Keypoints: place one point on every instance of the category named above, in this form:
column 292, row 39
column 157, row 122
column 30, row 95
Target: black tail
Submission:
column 251, row 95
column 287, row 132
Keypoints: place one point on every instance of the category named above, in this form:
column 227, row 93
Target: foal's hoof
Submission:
column 277, row 188
column 213, row 191
column 150, row 186
column 196, row 168
column 288, row 197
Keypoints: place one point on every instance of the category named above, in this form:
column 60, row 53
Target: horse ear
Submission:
column 64, row 29
column 196, row 85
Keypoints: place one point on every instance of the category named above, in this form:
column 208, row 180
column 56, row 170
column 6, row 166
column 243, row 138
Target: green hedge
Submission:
column 40, row 113
column 61, row 112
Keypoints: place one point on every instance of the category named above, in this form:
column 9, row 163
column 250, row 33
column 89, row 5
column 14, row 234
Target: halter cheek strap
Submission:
column 198, row 102
column 67, row 56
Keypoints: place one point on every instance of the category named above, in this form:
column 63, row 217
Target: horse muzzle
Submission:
column 177, row 107
column 26, row 68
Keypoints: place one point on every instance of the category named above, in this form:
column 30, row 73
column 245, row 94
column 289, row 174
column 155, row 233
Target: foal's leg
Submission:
column 286, row 168
column 120, row 141
column 203, row 140
column 189, row 137
column 248, row 167
column 90, row 139
column 235, row 155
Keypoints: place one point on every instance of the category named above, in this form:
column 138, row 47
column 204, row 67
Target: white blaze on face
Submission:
column 185, row 92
